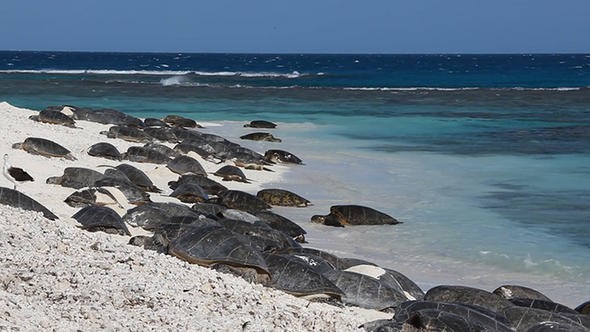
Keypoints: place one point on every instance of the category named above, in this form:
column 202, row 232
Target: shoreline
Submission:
column 55, row 277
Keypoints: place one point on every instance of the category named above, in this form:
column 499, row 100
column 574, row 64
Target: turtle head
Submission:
column 17, row 145
column 54, row 180
column 318, row 219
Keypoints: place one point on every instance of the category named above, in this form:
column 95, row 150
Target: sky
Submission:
column 302, row 26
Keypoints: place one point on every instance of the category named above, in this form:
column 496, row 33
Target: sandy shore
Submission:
column 56, row 276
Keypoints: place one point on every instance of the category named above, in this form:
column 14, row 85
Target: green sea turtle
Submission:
column 91, row 196
column 185, row 164
column 19, row 200
column 291, row 275
column 523, row 319
column 210, row 186
column 76, row 177
column 163, row 134
column 514, row 291
column 105, row 116
column 100, row 218
column 153, row 122
column 137, row 177
column 44, row 147
column 364, row 291
column 104, row 150
column 281, row 197
column 210, row 245
column 281, row 156
column 260, row 124
column 584, row 308
column 468, row 296
column 152, row 214
column 237, row 199
column 180, row 121
column 282, row 224
column 349, row 215
column 189, row 193
column 260, row 136
column 130, row 134
column 543, row 305
column 259, row 235
column 133, row 193
column 231, row 173
column 171, row 153
column 53, row 117
column 140, row 154
column 391, row 278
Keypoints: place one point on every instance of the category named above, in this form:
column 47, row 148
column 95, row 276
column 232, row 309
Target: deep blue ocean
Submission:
column 486, row 158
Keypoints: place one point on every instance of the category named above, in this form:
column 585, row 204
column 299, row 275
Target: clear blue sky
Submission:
column 298, row 26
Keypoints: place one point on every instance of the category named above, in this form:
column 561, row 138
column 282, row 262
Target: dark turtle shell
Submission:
column 141, row 154
column 189, row 193
column 260, row 236
column 260, row 124
column 281, row 156
column 105, row 150
column 281, row 197
column 180, row 121
column 99, row 218
column 153, row 214
column 514, row 291
column 76, row 177
column 153, row 122
column 210, row 186
column 259, row 136
column 133, row 193
column 19, row 200
column 213, row 244
column 130, row 134
column 341, row 215
column 44, row 147
column 467, row 295
column 231, row 173
column 185, row 164
column 237, row 199
column 106, row 116
column 163, row 134
column 87, row 197
column 171, row 153
column 364, row 291
column 282, row 224
column 138, row 177
column 291, row 275
column 53, row 117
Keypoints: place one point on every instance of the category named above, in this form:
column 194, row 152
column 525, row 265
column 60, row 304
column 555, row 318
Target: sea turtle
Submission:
column 282, row 224
column 133, row 193
column 237, row 199
column 90, row 196
column 180, row 121
column 260, row 136
column 163, row 134
column 211, row 210
column 523, row 319
column 391, row 278
column 105, row 116
column 53, row 117
column 171, row 153
column 100, row 218
column 185, row 164
column 350, row 215
column 364, row 291
column 292, row 275
column 152, row 214
column 281, row 197
column 281, row 156
column 76, row 177
column 138, row 177
column 543, row 305
column 189, row 193
column 19, row 200
column 231, row 173
column 260, row 124
column 141, row 154
column 467, row 296
column 259, row 235
column 44, row 147
column 484, row 319
column 210, row 186
column 153, row 122
column 584, row 308
column 104, row 150
column 209, row 245
column 514, row 291
column 130, row 134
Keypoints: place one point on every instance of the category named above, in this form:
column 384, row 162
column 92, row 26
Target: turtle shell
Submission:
column 99, row 218
column 105, row 150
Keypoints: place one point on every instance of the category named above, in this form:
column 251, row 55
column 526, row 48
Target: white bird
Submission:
column 14, row 174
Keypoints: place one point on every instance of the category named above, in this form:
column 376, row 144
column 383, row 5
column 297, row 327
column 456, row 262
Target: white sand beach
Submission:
column 54, row 275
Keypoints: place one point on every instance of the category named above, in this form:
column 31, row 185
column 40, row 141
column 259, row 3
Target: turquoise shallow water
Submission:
column 488, row 168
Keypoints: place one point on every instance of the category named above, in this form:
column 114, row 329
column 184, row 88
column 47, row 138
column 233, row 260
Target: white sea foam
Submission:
column 293, row 74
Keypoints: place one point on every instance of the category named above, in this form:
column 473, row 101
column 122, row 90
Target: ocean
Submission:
column 485, row 158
